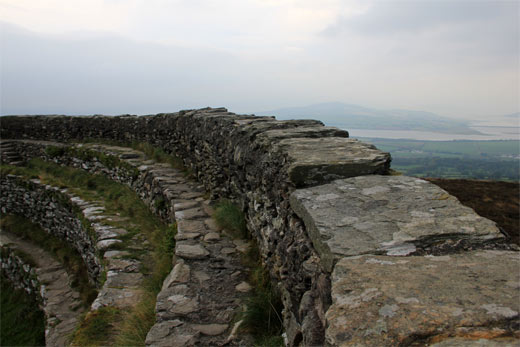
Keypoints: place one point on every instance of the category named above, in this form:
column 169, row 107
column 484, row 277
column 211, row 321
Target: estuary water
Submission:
column 487, row 133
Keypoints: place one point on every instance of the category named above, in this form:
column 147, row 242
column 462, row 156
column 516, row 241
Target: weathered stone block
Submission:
column 393, row 215
column 390, row 301
column 320, row 160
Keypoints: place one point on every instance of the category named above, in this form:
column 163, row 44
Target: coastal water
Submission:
column 487, row 133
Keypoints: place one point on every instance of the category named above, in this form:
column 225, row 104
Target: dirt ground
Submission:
column 496, row 200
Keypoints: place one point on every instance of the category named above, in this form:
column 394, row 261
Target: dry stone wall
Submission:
column 53, row 210
column 256, row 161
column 120, row 164
column 19, row 272
column 319, row 209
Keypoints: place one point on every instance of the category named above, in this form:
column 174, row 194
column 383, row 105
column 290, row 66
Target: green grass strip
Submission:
column 262, row 317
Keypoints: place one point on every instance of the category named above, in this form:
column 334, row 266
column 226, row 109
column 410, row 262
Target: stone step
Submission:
column 17, row 163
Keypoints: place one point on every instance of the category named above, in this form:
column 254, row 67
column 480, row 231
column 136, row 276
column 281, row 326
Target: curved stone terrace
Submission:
column 368, row 260
column 61, row 303
column 203, row 293
column 122, row 287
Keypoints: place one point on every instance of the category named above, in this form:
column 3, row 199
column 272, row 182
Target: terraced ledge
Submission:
column 56, row 211
column 204, row 291
column 123, row 285
column 61, row 304
column 206, row 287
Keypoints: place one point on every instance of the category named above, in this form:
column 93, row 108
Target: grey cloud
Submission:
column 101, row 73
column 395, row 17
column 108, row 75
column 469, row 33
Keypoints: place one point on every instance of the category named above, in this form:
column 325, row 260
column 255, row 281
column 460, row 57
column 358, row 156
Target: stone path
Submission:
column 122, row 288
column 62, row 304
column 205, row 290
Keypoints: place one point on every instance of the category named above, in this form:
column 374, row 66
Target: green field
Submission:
column 496, row 160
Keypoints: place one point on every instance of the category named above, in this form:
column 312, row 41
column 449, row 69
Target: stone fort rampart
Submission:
column 339, row 235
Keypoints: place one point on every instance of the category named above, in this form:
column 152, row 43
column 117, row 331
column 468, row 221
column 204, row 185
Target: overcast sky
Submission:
column 455, row 58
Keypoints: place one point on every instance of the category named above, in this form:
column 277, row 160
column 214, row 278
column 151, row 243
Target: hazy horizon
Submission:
column 458, row 59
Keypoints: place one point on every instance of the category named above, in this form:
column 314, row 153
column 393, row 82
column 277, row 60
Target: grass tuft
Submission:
column 262, row 317
column 137, row 323
column 230, row 218
column 96, row 327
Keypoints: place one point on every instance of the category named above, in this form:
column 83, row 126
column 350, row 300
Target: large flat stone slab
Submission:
column 188, row 251
column 391, row 301
column 300, row 132
column 320, row 160
column 393, row 215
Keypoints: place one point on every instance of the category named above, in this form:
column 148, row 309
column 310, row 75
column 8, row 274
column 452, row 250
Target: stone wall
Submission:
column 320, row 211
column 19, row 272
column 257, row 162
column 143, row 179
column 54, row 212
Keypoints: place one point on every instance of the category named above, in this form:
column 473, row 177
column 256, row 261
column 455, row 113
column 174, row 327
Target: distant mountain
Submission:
column 515, row 115
column 358, row 117
column 511, row 120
